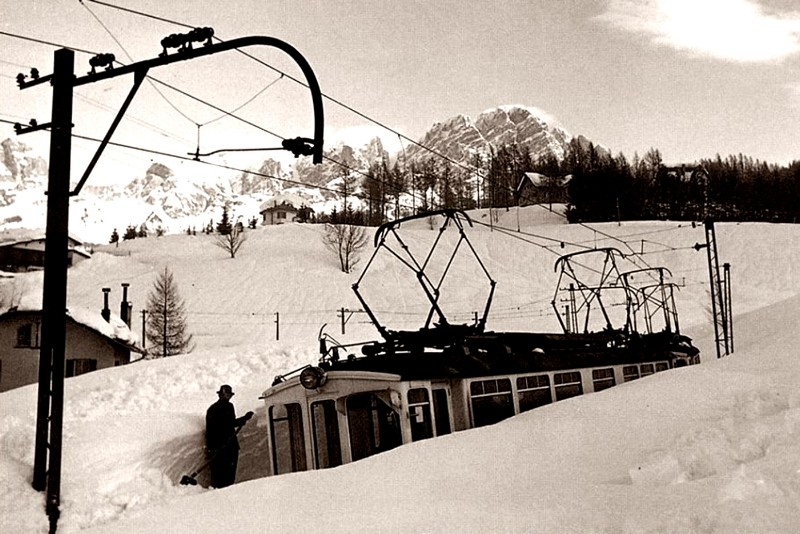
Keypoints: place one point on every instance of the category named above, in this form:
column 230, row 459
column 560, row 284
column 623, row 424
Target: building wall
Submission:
column 19, row 366
column 279, row 216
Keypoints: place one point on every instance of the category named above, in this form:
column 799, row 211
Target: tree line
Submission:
column 601, row 186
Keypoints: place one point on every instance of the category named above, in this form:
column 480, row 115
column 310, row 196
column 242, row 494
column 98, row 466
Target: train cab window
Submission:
column 374, row 425
column 661, row 367
column 646, row 369
column 419, row 411
column 533, row 391
column 288, row 445
column 603, row 379
column 491, row 401
column 630, row 372
column 567, row 385
column 325, row 422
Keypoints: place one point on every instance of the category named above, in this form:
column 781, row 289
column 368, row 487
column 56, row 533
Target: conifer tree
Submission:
column 224, row 226
column 166, row 327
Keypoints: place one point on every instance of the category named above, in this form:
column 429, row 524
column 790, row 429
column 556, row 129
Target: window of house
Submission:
column 27, row 336
column 281, row 215
column 646, row 369
column 288, row 444
column 533, row 391
column 79, row 366
column 491, row 401
column 567, row 385
column 661, row 367
column 630, row 372
column 325, row 422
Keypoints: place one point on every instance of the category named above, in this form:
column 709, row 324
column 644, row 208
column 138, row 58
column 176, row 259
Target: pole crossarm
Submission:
column 191, row 53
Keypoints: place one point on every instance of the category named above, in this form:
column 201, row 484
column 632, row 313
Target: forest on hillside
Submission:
column 596, row 186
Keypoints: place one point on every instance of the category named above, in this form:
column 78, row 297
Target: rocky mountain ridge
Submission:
column 160, row 197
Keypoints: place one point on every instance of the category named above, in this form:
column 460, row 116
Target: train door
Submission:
column 419, row 414
column 441, row 410
column 373, row 425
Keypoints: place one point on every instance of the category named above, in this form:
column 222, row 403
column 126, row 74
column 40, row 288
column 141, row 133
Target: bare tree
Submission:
column 231, row 241
column 346, row 241
column 166, row 322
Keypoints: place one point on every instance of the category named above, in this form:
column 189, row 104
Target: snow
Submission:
column 713, row 448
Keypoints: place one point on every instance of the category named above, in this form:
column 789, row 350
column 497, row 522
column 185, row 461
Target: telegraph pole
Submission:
column 52, row 356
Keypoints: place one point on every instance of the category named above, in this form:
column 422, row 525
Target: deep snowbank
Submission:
column 712, row 448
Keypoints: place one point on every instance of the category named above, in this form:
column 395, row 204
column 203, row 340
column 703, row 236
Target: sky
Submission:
column 706, row 449
column 692, row 78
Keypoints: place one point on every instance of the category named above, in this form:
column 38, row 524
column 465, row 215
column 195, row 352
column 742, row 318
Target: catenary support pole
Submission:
column 50, row 409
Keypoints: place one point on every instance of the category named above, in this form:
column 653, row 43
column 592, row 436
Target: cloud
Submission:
column 731, row 30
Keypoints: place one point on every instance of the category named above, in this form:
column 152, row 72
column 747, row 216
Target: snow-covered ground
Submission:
column 713, row 448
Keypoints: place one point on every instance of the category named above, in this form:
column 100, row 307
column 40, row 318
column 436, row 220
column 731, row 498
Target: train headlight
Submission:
column 313, row 377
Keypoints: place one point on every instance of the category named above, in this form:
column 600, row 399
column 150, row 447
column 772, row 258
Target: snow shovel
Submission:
column 191, row 480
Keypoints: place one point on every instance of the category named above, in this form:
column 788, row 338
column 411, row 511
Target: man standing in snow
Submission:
column 221, row 443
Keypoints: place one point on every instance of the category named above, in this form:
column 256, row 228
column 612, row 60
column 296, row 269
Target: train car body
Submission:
column 343, row 410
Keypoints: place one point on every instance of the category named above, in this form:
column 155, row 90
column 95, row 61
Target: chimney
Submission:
column 125, row 306
column 105, row 312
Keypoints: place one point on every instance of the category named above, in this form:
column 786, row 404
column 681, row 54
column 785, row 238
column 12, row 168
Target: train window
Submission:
column 661, row 367
column 419, row 411
column 630, row 372
column 647, row 369
column 374, row 425
column 567, row 385
column 442, row 410
column 603, row 379
column 491, row 401
column 533, row 391
column 288, row 444
column 325, row 422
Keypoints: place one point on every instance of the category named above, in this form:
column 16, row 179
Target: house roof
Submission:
column 283, row 201
column 538, row 180
column 115, row 329
column 21, row 236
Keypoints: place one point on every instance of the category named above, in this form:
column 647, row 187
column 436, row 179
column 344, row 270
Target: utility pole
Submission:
column 52, row 356
column 144, row 329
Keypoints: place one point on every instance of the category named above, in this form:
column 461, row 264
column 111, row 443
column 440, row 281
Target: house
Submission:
column 535, row 188
column 94, row 340
column 283, row 209
column 26, row 253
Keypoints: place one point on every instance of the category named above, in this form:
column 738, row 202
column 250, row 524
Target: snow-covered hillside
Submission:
column 713, row 448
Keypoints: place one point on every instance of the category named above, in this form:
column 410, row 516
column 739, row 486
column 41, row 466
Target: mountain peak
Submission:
column 461, row 137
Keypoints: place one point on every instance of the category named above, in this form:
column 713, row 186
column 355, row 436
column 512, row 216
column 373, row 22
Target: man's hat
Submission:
column 225, row 389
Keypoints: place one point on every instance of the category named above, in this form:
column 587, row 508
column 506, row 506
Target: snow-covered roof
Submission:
column 26, row 235
column 114, row 329
column 538, row 180
column 287, row 199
